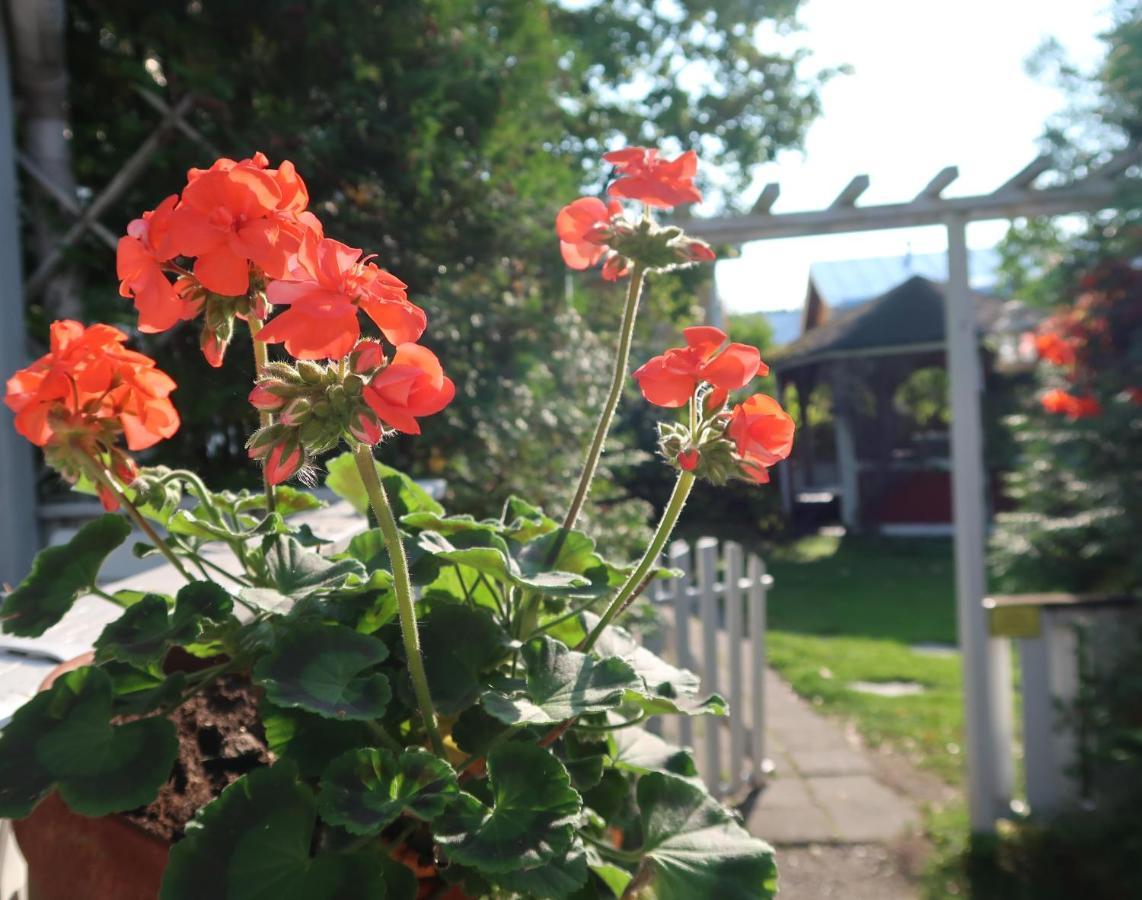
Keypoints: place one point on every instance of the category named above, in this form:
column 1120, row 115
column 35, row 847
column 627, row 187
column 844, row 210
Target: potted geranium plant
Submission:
column 443, row 707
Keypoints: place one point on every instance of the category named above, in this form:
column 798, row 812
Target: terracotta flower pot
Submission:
column 73, row 857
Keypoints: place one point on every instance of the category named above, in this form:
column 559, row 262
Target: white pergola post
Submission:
column 986, row 661
column 19, row 539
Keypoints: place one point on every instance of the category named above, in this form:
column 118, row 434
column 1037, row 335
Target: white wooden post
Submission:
column 682, row 607
column 758, row 582
column 848, row 472
column 19, row 538
column 734, row 634
column 986, row 661
column 707, row 551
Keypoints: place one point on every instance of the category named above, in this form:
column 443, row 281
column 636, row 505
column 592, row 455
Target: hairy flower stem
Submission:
column 649, row 559
column 261, row 358
column 618, row 377
column 99, row 472
column 402, row 586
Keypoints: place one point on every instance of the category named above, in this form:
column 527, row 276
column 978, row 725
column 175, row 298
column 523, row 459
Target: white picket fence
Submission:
column 716, row 627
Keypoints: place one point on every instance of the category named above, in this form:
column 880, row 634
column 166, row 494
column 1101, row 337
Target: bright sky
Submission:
column 934, row 84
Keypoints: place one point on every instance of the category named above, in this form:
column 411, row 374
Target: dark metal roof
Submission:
column 910, row 315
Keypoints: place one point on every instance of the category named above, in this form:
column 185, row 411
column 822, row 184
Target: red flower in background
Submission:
column 645, row 176
column 670, row 379
column 324, row 293
column 1072, row 406
column 139, row 260
column 763, row 434
column 412, row 385
column 1054, row 349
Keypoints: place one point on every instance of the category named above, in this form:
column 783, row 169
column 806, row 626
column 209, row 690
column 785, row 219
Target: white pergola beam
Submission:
column 939, row 184
column 1094, row 193
column 766, row 199
column 1022, row 180
column 848, row 197
column 1118, row 164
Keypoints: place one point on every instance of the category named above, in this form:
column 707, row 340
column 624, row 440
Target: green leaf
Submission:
column 560, row 877
column 255, row 842
column 369, row 548
column 309, row 741
column 523, row 521
column 458, row 644
column 663, row 688
column 289, row 500
column 561, row 684
column 531, row 821
column 60, row 575
column 324, row 669
column 137, row 692
column 63, row 738
column 489, row 553
column 576, row 555
column 637, row 750
column 405, row 495
column 695, row 848
column 368, row 789
column 297, row 572
column 145, row 631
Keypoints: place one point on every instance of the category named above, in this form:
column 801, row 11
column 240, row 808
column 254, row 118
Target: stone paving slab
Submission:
column 824, row 789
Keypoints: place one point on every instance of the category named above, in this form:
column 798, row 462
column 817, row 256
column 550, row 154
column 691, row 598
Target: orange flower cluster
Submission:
column 589, row 229
column 241, row 221
column 1071, row 405
column 87, row 390
column 671, row 379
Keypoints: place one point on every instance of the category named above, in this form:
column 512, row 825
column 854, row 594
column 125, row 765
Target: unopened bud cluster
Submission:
column 656, row 247
column 314, row 406
column 708, row 454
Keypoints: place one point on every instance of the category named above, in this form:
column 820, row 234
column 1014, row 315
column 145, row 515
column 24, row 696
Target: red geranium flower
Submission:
column 1072, row 406
column 645, row 176
column 670, row 379
column 763, row 433
column 235, row 213
column 1055, row 349
column 324, row 293
column 583, row 227
column 138, row 262
column 412, row 385
column 90, row 381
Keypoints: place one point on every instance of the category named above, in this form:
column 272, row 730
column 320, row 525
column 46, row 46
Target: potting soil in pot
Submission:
column 220, row 738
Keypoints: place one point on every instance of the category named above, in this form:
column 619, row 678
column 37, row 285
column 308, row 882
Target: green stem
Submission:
column 649, row 558
column 261, row 359
column 618, row 378
column 99, row 473
column 402, row 586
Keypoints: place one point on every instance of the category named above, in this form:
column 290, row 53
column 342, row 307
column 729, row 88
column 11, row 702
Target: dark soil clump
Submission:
column 220, row 739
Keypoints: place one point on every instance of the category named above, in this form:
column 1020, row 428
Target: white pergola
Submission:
column 986, row 661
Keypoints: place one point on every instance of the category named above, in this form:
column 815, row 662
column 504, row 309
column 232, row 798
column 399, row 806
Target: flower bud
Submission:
column 694, row 251
column 294, row 412
column 688, row 460
column 366, row 358
column 365, row 427
column 310, row 372
column 264, row 397
column 284, row 460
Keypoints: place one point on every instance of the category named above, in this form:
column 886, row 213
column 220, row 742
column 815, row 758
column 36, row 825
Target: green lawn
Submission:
column 852, row 608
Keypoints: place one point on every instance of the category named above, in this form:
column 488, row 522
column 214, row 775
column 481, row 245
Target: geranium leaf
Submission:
column 695, row 848
column 637, row 750
column 663, row 688
column 523, row 521
column 561, row 877
column 325, row 669
column 487, row 552
column 63, row 738
column 530, row 822
column 60, row 575
column 309, row 741
column 298, row 572
column 369, row 548
column 561, row 684
column 458, row 643
column 255, row 842
column 366, row 790
column 405, row 495
column 146, row 630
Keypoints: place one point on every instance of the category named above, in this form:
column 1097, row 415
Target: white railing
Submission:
column 726, row 619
